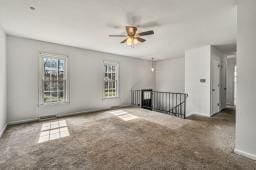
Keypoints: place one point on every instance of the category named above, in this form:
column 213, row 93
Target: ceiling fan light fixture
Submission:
column 135, row 41
column 152, row 66
column 130, row 29
column 129, row 41
column 132, row 37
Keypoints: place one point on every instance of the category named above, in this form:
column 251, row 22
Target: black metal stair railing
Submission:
column 165, row 102
column 136, row 97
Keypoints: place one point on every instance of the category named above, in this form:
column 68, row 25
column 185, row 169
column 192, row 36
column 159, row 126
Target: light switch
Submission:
column 202, row 80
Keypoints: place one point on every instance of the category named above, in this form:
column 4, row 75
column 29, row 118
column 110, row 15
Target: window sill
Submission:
column 53, row 104
column 112, row 97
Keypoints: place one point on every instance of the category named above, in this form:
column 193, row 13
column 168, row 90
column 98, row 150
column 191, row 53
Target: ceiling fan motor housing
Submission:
column 133, row 37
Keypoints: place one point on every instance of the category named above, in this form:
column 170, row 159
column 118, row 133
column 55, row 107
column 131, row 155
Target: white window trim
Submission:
column 118, row 79
column 40, row 76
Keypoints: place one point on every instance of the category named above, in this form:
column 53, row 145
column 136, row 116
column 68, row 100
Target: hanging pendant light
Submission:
column 152, row 66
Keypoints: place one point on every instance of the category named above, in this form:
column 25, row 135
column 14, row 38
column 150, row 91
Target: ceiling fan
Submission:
column 132, row 37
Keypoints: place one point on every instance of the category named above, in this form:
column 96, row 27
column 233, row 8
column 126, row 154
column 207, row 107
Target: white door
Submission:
column 215, row 88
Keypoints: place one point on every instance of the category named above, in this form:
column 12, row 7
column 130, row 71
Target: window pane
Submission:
column 114, row 84
column 105, row 85
column 113, row 76
column 47, row 75
column 61, row 96
column 50, row 97
column 60, row 85
column 50, row 64
column 110, row 82
column 54, row 85
column 54, row 96
column 109, row 68
column 106, row 93
column 46, row 86
column 114, row 92
column 106, row 68
column 61, row 69
column 61, row 64
column 54, row 80
column 54, row 75
column 61, row 75
column 47, row 97
column 109, row 76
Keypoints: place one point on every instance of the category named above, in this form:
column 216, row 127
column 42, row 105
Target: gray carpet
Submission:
column 124, row 139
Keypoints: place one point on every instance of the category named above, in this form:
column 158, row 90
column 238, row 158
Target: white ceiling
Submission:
column 178, row 24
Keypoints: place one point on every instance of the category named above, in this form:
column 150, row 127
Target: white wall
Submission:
column 86, row 79
column 170, row 75
column 246, row 81
column 3, row 96
column 197, row 66
column 231, row 62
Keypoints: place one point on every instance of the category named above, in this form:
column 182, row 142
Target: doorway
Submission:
column 235, row 84
column 231, row 75
column 215, row 86
column 146, row 100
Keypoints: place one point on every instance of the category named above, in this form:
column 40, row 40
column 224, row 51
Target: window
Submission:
column 110, row 79
column 53, row 79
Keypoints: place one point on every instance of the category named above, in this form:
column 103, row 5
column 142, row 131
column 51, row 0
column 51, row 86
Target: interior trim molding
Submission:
column 23, row 121
column 91, row 111
column 246, row 154
column 81, row 112
column 60, row 115
column 228, row 105
column 3, row 130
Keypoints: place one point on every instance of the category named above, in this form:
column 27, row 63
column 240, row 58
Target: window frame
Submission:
column 117, row 79
column 41, row 75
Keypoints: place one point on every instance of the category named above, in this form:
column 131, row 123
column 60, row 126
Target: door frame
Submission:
column 149, row 102
column 212, row 112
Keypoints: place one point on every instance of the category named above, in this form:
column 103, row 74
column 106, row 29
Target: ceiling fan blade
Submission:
column 146, row 33
column 149, row 24
column 117, row 36
column 132, row 19
column 140, row 39
column 113, row 25
column 123, row 41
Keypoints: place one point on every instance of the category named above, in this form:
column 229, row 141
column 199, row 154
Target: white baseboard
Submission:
column 198, row 114
column 92, row 110
column 81, row 112
column 22, row 121
column 246, row 154
column 229, row 106
column 2, row 130
column 68, row 114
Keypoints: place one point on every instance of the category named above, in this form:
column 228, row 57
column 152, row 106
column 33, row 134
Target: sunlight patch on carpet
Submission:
column 123, row 115
column 53, row 130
